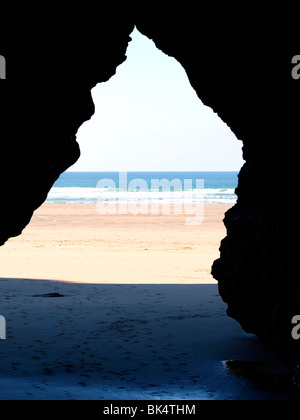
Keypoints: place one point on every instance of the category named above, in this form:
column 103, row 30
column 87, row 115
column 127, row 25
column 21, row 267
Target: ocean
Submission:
column 145, row 187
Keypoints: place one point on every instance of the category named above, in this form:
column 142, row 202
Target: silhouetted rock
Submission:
column 49, row 295
column 239, row 65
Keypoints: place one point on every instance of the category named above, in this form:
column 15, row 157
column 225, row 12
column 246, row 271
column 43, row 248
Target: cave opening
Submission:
column 149, row 118
column 150, row 125
column 123, row 327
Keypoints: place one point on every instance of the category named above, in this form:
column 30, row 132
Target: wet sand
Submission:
column 122, row 308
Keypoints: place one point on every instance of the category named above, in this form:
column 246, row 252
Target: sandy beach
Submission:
column 123, row 307
column 73, row 242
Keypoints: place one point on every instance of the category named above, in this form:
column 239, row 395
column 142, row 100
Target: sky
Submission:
column 149, row 118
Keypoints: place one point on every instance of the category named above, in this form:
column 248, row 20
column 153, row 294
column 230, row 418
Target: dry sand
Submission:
column 123, row 308
column 75, row 243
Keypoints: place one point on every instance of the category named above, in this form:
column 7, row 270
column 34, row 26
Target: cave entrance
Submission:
column 149, row 123
column 149, row 118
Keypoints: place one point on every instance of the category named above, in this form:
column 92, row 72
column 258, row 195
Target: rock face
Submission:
column 51, row 68
column 248, row 83
column 240, row 66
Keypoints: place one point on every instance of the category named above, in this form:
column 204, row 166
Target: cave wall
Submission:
column 239, row 65
column 52, row 65
column 242, row 71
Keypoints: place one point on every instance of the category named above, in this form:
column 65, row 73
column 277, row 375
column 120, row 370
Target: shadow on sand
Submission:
column 129, row 342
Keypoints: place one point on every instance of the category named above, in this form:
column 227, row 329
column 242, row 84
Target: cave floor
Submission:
column 129, row 342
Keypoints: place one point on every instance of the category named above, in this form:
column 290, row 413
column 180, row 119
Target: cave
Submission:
column 241, row 68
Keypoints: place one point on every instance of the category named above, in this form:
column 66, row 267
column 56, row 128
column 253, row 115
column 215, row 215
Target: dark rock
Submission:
column 239, row 64
column 49, row 295
column 264, row 376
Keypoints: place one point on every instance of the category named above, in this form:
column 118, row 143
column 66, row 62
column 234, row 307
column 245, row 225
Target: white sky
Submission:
column 149, row 118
